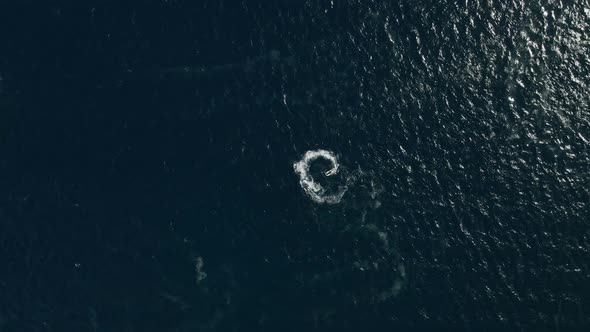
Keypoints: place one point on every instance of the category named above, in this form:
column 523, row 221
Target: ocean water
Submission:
column 158, row 173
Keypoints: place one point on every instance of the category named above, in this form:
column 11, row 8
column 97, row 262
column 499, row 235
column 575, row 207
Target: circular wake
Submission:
column 313, row 189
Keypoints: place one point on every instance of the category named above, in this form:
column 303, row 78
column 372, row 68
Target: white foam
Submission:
column 314, row 190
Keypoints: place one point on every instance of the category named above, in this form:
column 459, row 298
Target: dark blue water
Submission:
column 147, row 179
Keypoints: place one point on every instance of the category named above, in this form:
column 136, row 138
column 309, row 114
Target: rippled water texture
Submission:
column 475, row 117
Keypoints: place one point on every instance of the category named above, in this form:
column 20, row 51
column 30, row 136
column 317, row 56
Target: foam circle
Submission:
column 313, row 189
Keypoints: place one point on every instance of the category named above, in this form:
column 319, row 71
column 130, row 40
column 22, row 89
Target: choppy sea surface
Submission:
column 295, row 166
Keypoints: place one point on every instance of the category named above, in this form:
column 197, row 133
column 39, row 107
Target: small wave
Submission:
column 313, row 189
